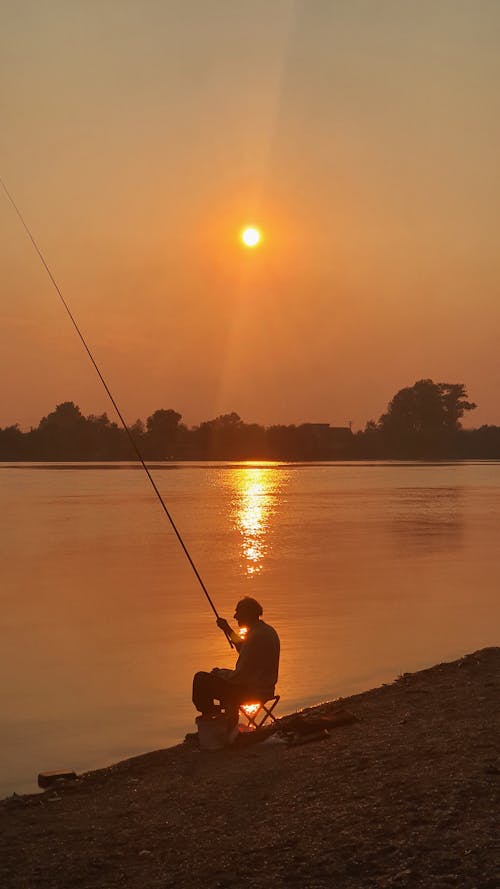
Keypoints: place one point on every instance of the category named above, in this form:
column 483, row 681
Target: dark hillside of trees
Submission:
column 422, row 422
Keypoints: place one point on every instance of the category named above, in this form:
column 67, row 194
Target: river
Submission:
column 367, row 570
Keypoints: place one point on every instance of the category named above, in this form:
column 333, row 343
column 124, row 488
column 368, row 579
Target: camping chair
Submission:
column 258, row 713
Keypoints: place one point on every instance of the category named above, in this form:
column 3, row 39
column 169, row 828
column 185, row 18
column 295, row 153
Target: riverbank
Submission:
column 405, row 796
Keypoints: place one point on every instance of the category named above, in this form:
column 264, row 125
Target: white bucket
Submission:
column 213, row 732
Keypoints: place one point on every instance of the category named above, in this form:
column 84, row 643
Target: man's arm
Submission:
column 230, row 633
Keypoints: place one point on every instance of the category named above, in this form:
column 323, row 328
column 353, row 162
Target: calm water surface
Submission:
column 366, row 570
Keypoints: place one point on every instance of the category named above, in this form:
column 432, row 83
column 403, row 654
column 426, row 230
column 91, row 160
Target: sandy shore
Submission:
column 406, row 796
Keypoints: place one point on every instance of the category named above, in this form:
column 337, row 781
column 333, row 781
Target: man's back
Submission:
column 257, row 665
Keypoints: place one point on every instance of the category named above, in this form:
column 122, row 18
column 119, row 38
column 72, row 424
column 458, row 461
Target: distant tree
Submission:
column 227, row 437
column 282, row 442
column 66, row 415
column 162, row 432
column 59, row 435
column 103, row 439
column 482, row 443
column 369, row 444
column 221, row 438
column 454, row 401
column 138, row 428
column 255, row 442
column 421, row 420
column 12, row 443
column 138, row 432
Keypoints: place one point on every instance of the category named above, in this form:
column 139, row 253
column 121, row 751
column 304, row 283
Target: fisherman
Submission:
column 256, row 670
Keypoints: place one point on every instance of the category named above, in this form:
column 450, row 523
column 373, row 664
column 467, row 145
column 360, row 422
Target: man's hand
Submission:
column 223, row 625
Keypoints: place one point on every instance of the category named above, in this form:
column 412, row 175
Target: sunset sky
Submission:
column 361, row 136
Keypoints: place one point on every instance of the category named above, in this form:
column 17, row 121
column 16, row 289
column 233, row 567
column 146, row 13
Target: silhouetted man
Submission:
column 256, row 671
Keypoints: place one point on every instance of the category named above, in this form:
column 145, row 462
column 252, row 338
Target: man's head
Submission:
column 247, row 611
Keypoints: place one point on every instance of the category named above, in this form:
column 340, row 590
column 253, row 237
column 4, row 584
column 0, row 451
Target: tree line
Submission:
column 422, row 421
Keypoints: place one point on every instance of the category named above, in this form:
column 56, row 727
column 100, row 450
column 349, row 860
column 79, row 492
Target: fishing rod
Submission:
column 113, row 402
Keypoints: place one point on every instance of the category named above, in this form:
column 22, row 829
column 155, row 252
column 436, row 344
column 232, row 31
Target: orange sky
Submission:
column 138, row 139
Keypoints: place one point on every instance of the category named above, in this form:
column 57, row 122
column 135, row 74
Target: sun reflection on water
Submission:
column 256, row 489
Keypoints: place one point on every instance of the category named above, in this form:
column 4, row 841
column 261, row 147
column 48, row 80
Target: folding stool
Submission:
column 264, row 711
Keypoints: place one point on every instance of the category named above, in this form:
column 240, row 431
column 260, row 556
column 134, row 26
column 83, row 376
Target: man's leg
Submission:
column 204, row 693
column 210, row 686
column 231, row 696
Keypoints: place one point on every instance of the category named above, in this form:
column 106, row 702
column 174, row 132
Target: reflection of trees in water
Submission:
column 427, row 520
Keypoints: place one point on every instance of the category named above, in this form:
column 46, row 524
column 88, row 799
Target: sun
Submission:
column 251, row 236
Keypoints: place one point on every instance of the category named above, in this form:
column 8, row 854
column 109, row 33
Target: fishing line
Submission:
column 113, row 402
